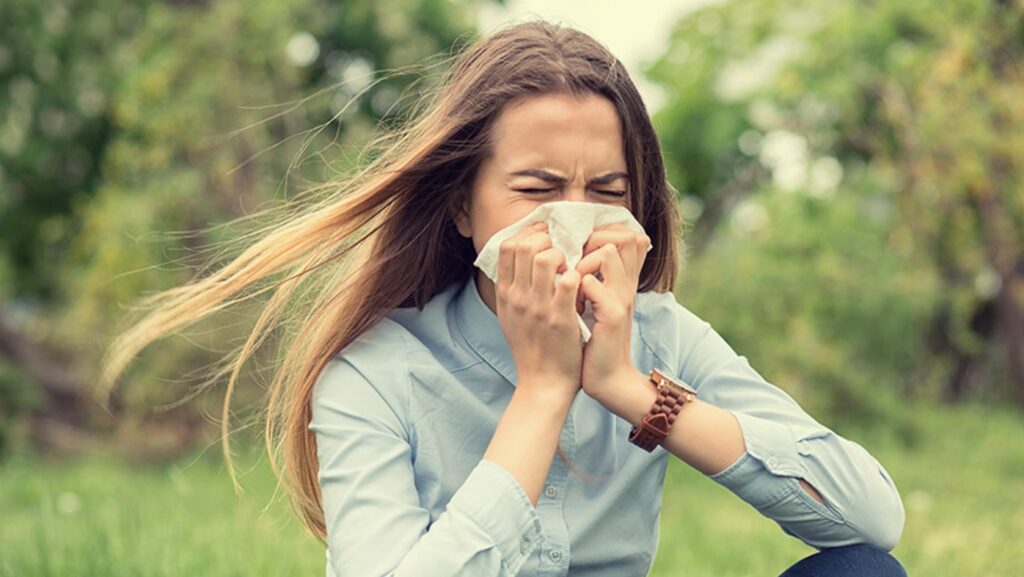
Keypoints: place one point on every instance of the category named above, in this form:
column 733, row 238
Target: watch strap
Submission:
column 658, row 421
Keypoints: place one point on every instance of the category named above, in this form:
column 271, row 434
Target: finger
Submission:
column 526, row 252
column 613, row 270
column 605, row 262
column 643, row 244
column 631, row 248
column 622, row 245
column 566, row 288
column 606, row 303
column 507, row 254
column 604, row 234
column 591, row 263
column 506, row 264
column 545, row 264
column 514, row 265
column 628, row 257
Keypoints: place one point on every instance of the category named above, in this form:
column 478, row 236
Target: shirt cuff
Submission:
column 497, row 503
column 771, row 448
column 772, row 443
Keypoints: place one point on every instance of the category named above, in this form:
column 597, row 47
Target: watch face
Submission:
column 674, row 383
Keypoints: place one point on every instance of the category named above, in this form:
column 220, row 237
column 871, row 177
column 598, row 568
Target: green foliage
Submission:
column 135, row 128
column 57, row 73
column 903, row 110
column 936, row 109
column 810, row 291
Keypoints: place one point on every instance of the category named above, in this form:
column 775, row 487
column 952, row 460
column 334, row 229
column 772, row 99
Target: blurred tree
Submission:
column 133, row 127
column 913, row 108
column 810, row 290
column 54, row 125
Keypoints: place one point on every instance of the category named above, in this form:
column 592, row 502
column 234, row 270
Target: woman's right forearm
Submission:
column 526, row 437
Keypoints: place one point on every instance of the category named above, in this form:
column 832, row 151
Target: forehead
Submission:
column 558, row 128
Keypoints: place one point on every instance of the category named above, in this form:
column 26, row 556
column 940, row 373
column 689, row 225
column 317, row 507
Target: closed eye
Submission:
column 618, row 193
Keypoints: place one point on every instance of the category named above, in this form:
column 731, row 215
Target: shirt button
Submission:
column 555, row 555
column 772, row 462
column 551, row 491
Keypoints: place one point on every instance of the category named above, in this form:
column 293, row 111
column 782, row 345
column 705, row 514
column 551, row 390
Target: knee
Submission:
column 848, row 561
column 874, row 561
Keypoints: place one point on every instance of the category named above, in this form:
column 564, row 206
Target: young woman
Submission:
column 420, row 407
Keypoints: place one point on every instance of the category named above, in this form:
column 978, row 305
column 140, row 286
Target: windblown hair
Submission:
column 384, row 237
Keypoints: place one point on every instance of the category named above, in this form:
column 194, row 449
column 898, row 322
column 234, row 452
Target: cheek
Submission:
column 487, row 223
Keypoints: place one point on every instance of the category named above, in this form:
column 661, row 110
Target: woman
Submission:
column 420, row 406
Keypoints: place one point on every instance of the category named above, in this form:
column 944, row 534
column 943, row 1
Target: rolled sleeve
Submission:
column 771, row 460
column 783, row 445
column 495, row 501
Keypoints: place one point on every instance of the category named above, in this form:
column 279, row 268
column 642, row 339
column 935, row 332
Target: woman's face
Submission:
column 543, row 149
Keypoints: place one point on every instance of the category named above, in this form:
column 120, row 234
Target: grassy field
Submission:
column 962, row 484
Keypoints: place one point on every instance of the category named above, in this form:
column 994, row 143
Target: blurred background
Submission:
column 850, row 175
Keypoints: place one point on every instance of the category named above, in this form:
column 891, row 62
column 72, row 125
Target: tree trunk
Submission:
column 1002, row 252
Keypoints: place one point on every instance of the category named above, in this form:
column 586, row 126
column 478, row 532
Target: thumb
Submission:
column 595, row 291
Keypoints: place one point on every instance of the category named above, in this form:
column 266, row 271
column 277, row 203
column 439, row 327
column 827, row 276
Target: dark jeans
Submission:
column 849, row 561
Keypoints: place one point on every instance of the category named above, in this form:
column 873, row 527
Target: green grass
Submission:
column 961, row 482
column 101, row 518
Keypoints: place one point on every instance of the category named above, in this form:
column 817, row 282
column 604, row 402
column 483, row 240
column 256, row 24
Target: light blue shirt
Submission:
column 404, row 414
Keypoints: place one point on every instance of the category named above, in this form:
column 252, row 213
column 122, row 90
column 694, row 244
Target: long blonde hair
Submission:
column 384, row 237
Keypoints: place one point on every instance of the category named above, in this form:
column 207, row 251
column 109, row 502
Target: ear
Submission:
column 459, row 211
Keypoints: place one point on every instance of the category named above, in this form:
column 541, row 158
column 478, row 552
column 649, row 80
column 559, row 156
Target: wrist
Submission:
column 544, row 396
column 630, row 396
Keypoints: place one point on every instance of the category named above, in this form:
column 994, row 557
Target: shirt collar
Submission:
column 479, row 326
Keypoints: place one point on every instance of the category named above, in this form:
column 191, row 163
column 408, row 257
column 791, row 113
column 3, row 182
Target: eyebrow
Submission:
column 553, row 178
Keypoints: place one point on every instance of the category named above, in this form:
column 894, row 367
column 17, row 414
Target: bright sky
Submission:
column 635, row 32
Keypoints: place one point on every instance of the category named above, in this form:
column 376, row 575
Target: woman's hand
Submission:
column 617, row 253
column 536, row 313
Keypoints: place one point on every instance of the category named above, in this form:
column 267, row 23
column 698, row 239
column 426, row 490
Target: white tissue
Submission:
column 570, row 224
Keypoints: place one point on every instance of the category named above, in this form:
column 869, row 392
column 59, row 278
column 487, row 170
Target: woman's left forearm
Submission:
column 706, row 437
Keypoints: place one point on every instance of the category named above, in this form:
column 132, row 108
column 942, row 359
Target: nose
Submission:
column 575, row 193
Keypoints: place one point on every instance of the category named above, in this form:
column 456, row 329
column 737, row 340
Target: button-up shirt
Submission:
column 404, row 414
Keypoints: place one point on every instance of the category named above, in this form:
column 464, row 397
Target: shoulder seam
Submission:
column 677, row 370
column 697, row 341
column 640, row 331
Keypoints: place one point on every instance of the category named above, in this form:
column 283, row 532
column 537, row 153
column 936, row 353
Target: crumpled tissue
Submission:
column 570, row 224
